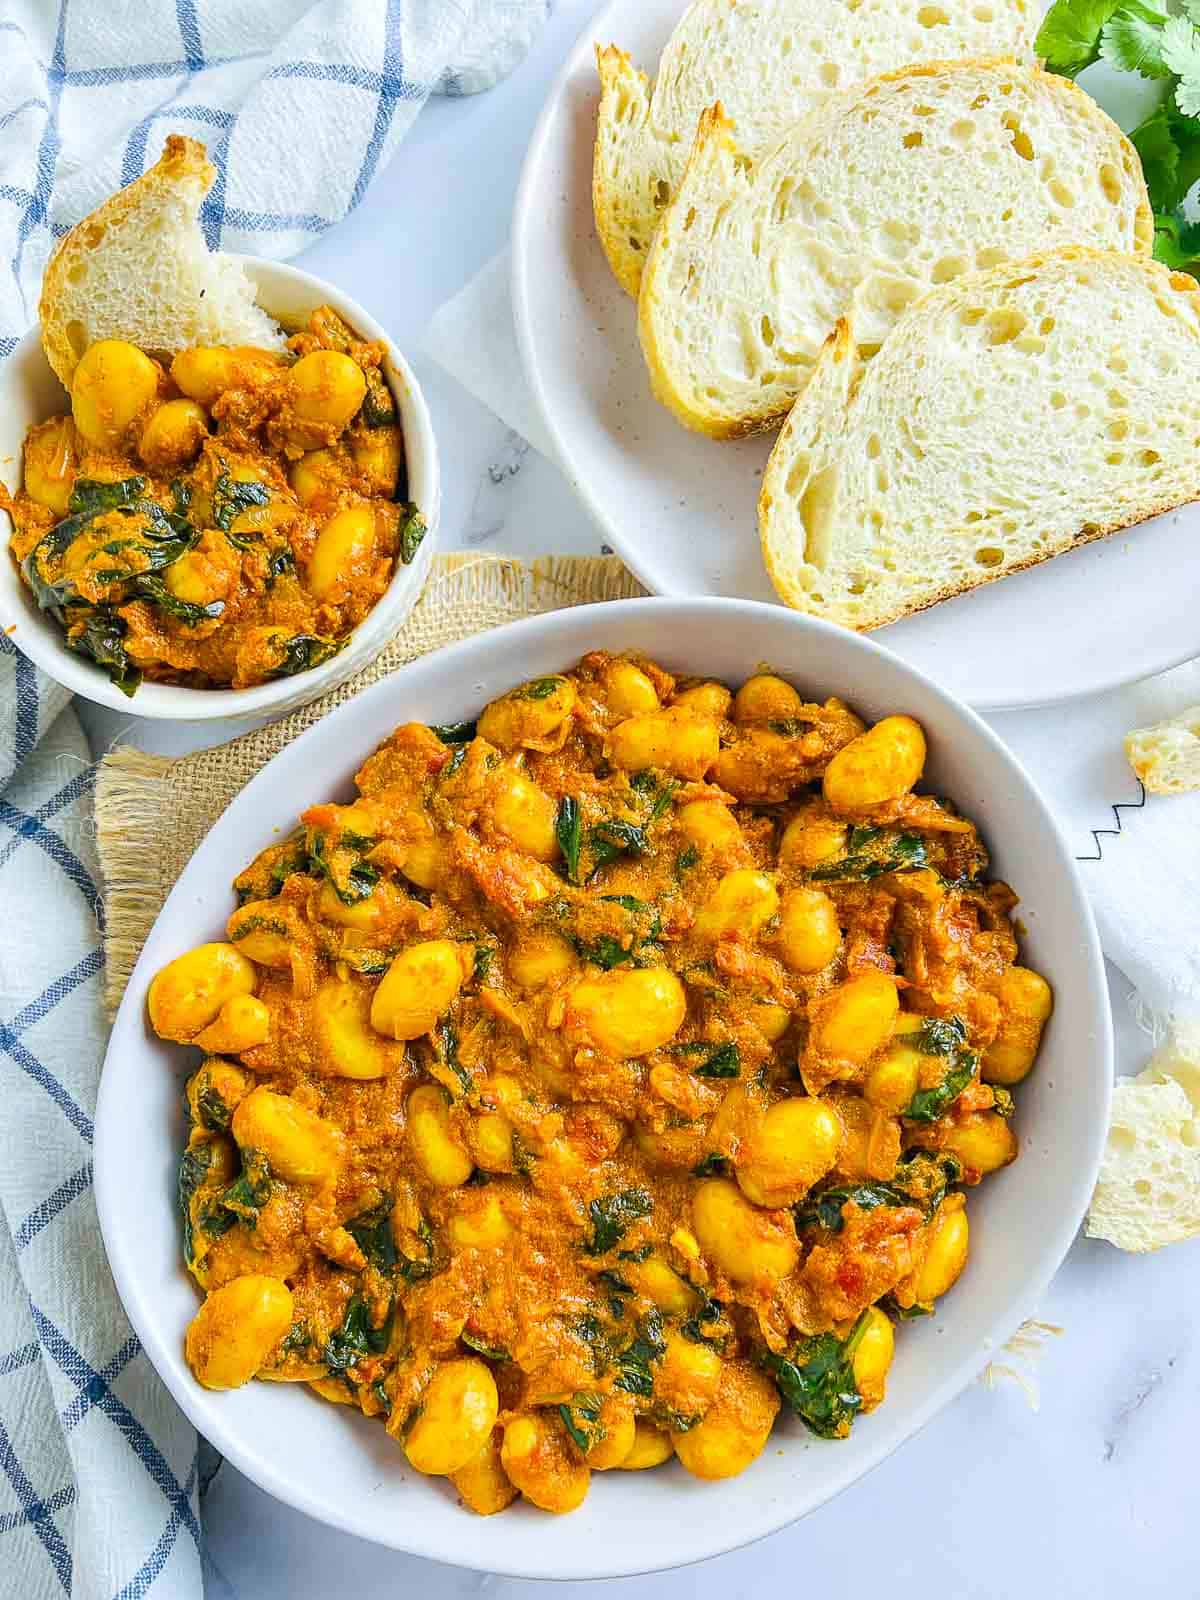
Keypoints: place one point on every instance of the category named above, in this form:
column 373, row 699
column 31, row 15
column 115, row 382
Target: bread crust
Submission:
column 617, row 75
column 840, row 346
column 183, row 165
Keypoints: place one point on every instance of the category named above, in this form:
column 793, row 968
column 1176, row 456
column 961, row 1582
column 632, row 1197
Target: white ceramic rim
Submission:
column 41, row 639
column 523, row 296
column 709, row 1536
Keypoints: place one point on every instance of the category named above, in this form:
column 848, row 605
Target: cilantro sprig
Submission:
column 1131, row 36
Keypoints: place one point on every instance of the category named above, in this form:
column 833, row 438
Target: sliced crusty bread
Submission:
column 1148, row 1191
column 1166, row 755
column 768, row 62
column 138, row 268
column 899, row 184
column 1010, row 415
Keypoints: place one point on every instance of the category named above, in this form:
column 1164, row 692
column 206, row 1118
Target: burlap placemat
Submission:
column 152, row 812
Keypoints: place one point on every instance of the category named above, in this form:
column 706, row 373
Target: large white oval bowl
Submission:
column 29, row 393
column 342, row 1469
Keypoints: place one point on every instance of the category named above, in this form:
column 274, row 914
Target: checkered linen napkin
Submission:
column 100, row 1475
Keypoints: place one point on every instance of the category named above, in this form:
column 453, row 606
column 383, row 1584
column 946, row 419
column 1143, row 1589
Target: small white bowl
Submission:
column 29, row 393
column 343, row 1470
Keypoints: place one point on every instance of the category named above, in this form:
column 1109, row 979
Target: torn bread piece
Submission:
column 1166, row 755
column 138, row 268
column 769, row 62
column 1148, row 1191
column 1011, row 415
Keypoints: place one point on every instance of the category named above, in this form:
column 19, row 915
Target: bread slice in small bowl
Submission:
column 131, row 298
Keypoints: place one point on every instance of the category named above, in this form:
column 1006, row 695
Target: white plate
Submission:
column 680, row 509
column 342, row 1469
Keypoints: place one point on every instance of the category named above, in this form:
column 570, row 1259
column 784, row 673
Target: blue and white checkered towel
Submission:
column 300, row 102
column 99, row 1473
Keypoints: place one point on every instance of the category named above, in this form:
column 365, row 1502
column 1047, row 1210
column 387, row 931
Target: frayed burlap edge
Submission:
column 151, row 812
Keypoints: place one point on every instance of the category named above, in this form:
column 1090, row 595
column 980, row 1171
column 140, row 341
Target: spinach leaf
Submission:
column 452, row 766
column 372, row 1233
column 482, row 965
column 613, row 1280
column 825, row 1209
column 568, row 826
column 446, row 1050
column 378, row 409
column 581, row 1418
column 193, row 1169
column 352, row 882
column 612, row 1215
column 99, row 634
column 712, row 1166
column 719, row 1060
column 181, row 497
column 413, row 529
column 902, row 855
column 604, row 951
column 540, row 688
column 369, row 962
column 707, row 1325
column 454, row 732
column 356, row 1339
column 302, row 652
column 160, row 539
column 686, row 860
column 489, row 1352
column 635, row 1361
column 608, row 840
column 662, row 802
column 413, row 1269
column 279, row 562
column 941, row 1036
column 230, row 498
column 937, row 1036
column 927, row 1105
column 51, row 596
column 148, row 587
column 212, row 1110
column 920, row 1179
column 90, row 498
column 913, row 1313
column 296, row 1339
column 817, row 1380
column 250, row 1190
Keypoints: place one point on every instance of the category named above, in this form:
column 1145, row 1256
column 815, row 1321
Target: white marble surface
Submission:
column 1088, row 1496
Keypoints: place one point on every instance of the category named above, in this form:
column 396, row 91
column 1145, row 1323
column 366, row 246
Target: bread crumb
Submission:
column 1166, row 755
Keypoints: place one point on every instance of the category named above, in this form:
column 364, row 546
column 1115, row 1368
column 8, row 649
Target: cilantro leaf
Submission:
column 1168, row 144
column 1069, row 37
column 1177, row 244
column 1181, row 55
column 1131, row 41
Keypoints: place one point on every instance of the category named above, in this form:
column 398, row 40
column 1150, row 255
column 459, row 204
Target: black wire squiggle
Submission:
column 1113, row 833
